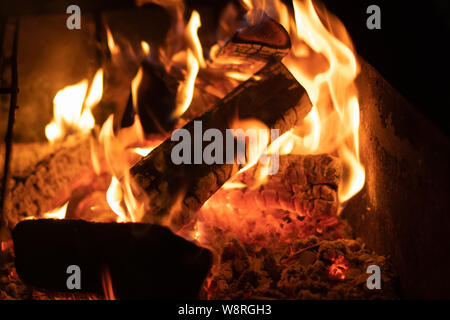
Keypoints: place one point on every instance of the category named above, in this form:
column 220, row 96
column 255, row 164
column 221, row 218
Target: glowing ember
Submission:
column 6, row 245
column 337, row 270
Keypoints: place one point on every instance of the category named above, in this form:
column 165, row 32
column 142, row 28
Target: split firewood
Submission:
column 264, row 40
column 49, row 183
column 304, row 184
column 246, row 52
column 25, row 156
column 272, row 96
column 144, row 261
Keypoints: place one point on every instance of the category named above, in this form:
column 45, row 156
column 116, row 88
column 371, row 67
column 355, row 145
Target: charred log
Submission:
column 272, row 96
column 144, row 261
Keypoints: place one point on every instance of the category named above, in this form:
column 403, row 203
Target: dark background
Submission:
column 411, row 50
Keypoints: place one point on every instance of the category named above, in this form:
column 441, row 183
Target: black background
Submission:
column 411, row 50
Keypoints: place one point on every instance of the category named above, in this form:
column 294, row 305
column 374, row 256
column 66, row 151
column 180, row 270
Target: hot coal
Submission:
column 308, row 269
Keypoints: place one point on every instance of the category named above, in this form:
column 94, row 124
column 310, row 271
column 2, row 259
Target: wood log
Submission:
column 49, row 183
column 272, row 96
column 304, row 184
column 25, row 156
column 144, row 261
column 264, row 40
column 246, row 52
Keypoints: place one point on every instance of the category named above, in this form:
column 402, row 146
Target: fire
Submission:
column 72, row 108
column 145, row 48
column 120, row 195
column 58, row 213
column 113, row 48
column 324, row 62
column 322, row 59
column 338, row 268
column 330, row 85
column 143, row 151
column 194, row 60
column 108, row 290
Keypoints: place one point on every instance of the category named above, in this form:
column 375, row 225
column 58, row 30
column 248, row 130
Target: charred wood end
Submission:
column 145, row 261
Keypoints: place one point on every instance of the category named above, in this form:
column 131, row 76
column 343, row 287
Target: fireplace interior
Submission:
column 92, row 116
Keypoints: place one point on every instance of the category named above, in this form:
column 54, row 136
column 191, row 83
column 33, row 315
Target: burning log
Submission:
column 265, row 40
column 144, row 261
column 306, row 185
column 51, row 181
column 24, row 156
column 243, row 54
column 272, row 96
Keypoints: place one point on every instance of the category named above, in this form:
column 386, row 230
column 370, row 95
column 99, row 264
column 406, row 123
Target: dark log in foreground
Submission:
column 303, row 184
column 272, row 96
column 144, row 261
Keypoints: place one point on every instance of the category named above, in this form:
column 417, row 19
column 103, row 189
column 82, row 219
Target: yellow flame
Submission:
column 135, row 83
column 192, row 37
column 72, row 109
column 233, row 185
column 58, row 213
column 194, row 61
column 324, row 62
column 113, row 48
column 143, row 151
column 67, row 106
column 114, row 196
column 185, row 91
column 145, row 48
column 330, row 80
column 96, row 91
column 120, row 195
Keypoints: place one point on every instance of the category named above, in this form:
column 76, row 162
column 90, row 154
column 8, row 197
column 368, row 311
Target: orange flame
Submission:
column 325, row 64
column 194, row 61
column 145, row 48
column 113, row 48
column 108, row 290
column 120, row 195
